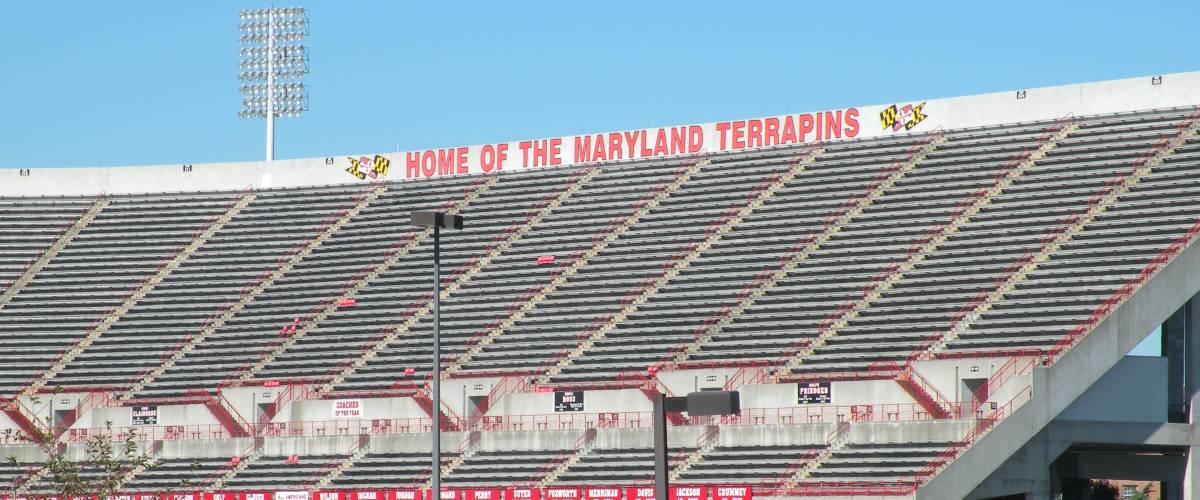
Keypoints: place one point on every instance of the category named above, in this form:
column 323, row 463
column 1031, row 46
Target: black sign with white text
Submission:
column 145, row 415
column 814, row 393
column 568, row 401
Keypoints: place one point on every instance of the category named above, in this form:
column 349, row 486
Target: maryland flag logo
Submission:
column 907, row 117
column 369, row 167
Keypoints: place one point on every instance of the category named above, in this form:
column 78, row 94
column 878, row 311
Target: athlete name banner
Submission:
column 688, row 493
column 568, row 401
column 522, row 493
column 561, row 493
column 732, row 493
column 347, row 408
column 814, row 392
column 446, row 494
column 404, row 495
column 481, row 494
column 639, row 493
column 602, row 493
column 605, row 492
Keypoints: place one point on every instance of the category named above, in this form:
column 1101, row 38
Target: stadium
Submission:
column 928, row 299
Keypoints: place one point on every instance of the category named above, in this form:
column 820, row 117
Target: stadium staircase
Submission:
column 60, row 241
column 27, row 482
column 153, row 455
column 560, row 463
column 415, row 312
column 466, row 449
column 515, row 231
column 334, row 470
column 830, row 226
column 916, row 253
column 350, row 288
column 223, row 411
column 683, row 258
column 705, row 443
column 1102, row 200
column 613, row 230
column 802, row 468
column 20, row 415
column 1096, row 342
column 238, row 463
column 251, row 291
column 164, row 268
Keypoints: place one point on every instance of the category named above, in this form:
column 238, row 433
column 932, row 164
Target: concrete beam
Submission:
column 1056, row 387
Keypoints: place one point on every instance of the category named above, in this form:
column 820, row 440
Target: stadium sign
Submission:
column 675, row 141
column 348, row 408
column 144, row 415
column 568, row 401
column 814, row 393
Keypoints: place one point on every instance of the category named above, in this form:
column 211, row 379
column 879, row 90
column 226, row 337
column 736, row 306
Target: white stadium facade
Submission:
column 929, row 299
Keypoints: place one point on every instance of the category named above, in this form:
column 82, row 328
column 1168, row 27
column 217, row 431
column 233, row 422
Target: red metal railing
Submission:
column 981, row 427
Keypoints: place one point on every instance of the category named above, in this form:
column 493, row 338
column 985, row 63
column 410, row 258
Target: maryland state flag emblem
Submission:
column 909, row 116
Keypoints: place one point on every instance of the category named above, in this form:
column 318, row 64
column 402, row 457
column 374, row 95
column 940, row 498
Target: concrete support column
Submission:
column 1191, row 369
column 1174, row 334
column 1190, row 488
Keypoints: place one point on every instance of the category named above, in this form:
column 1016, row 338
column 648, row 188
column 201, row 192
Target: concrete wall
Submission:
column 1115, row 96
column 122, row 416
column 1132, row 391
column 1057, row 387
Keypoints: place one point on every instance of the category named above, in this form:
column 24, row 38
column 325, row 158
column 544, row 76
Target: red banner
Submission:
column 732, row 493
column 404, row 495
column 327, row 495
column 561, row 493
column 521, row 493
column 447, row 494
column 602, row 493
column 688, row 493
column 204, row 496
column 253, row 495
column 639, row 493
column 481, row 494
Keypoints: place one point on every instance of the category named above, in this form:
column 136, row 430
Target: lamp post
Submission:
column 437, row 221
column 695, row 404
column 272, row 52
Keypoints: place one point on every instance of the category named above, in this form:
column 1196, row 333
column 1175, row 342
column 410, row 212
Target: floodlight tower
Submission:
column 272, row 51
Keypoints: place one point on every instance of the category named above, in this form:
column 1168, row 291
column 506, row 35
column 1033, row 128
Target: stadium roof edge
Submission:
column 849, row 123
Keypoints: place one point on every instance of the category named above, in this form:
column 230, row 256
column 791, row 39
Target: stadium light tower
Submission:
column 272, row 62
column 437, row 221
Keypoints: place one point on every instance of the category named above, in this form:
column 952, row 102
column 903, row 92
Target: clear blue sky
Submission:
column 140, row 82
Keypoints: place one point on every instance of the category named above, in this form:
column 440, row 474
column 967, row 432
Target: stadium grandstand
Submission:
column 914, row 300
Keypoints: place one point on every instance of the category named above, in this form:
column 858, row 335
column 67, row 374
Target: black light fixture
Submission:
column 695, row 404
column 437, row 221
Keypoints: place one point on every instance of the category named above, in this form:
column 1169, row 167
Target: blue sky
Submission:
column 140, row 82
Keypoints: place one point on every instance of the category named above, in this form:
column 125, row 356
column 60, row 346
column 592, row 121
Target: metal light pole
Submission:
column 695, row 404
column 437, row 221
column 272, row 52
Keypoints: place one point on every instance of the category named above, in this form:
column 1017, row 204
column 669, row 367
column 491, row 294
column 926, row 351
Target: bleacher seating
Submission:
column 732, row 464
column 507, row 312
